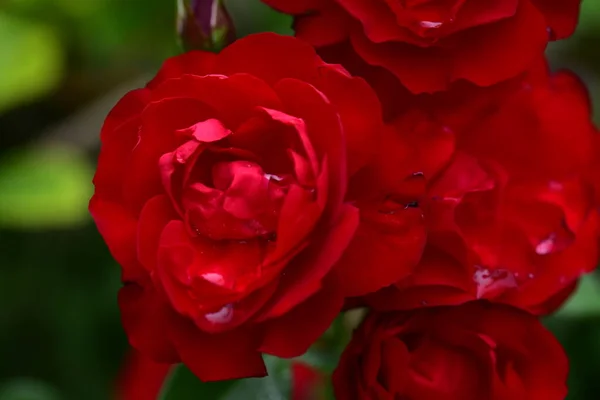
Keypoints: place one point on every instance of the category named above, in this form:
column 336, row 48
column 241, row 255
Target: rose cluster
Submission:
column 418, row 158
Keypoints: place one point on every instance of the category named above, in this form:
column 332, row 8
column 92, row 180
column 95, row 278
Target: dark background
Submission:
column 63, row 64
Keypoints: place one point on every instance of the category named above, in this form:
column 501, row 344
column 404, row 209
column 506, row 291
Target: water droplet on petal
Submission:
column 214, row 277
column 223, row 316
column 273, row 177
column 546, row 246
column 492, row 281
column 531, row 276
column 430, row 24
column 424, row 302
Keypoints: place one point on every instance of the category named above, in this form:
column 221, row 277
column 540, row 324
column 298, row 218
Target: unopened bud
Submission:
column 204, row 25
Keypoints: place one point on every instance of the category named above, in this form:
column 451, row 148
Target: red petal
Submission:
column 192, row 63
column 304, row 274
column 141, row 378
column 217, row 357
column 561, row 16
column 270, row 57
column 384, row 250
column 145, row 318
column 118, row 229
column 294, row 7
column 329, row 26
column 155, row 215
column 360, row 112
column 324, row 131
column 293, row 333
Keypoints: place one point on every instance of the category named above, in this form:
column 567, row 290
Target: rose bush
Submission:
column 231, row 192
column 510, row 204
column 470, row 352
column 429, row 44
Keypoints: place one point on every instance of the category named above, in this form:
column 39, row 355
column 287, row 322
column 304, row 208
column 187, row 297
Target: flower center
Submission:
column 239, row 201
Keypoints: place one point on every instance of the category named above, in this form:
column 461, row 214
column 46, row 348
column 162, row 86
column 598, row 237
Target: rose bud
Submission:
column 204, row 24
column 474, row 351
column 231, row 191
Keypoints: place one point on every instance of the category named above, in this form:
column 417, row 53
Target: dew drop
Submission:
column 424, row 302
column 223, row 316
column 273, row 177
column 546, row 246
column 531, row 276
column 215, row 278
column 430, row 24
column 492, row 281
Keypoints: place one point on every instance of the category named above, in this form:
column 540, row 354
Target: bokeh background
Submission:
column 63, row 64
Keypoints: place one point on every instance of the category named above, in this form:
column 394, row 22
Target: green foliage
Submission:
column 31, row 64
column 586, row 300
column 183, row 385
column 590, row 15
column 27, row 389
column 44, row 187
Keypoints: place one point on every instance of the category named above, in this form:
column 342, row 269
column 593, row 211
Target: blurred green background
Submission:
column 63, row 64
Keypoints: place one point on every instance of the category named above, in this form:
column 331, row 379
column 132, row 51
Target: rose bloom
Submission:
column 226, row 190
column 511, row 211
column 474, row 351
column 429, row 44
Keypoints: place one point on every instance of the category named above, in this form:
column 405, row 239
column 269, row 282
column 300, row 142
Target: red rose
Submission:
column 471, row 352
column 229, row 191
column 429, row 44
column 510, row 208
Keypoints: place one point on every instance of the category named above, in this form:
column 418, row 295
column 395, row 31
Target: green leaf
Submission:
column 31, row 64
column 589, row 16
column 585, row 301
column 44, row 187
